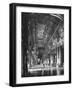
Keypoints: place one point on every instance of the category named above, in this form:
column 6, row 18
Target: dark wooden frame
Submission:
column 12, row 64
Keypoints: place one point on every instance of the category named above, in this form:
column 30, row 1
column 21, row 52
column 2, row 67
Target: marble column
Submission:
column 58, row 59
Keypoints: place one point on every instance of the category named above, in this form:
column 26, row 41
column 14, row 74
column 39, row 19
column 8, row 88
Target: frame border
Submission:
column 12, row 42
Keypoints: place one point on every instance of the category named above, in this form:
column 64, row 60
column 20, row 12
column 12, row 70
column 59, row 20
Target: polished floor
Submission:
column 53, row 71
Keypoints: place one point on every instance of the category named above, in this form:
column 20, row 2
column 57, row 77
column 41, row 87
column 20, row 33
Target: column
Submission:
column 58, row 60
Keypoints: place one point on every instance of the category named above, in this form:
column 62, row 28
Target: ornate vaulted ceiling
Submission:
column 44, row 27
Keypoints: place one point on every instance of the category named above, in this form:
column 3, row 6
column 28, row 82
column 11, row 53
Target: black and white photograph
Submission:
column 40, row 44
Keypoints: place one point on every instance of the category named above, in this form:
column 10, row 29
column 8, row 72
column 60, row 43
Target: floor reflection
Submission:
column 47, row 71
